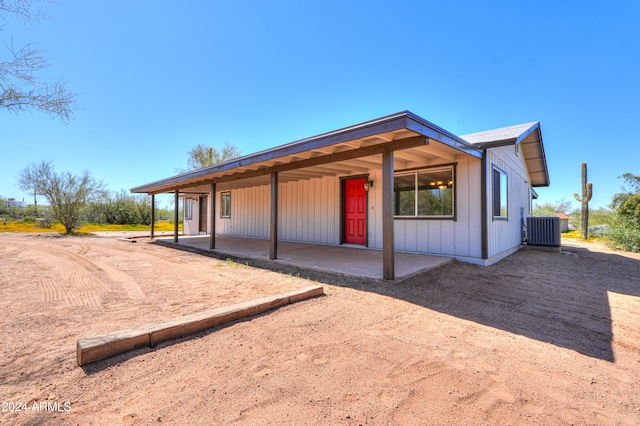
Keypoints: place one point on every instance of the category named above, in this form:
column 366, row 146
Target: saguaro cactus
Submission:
column 586, row 197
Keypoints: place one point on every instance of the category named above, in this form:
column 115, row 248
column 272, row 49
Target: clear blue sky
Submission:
column 156, row 78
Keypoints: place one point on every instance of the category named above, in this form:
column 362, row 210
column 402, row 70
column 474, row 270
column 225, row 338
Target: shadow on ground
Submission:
column 561, row 299
column 557, row 298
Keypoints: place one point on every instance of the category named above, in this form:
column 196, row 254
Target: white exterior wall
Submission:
column 505, row 236
column 460, row 238
column 309, row 211
column 190, row 226
column 249, row 213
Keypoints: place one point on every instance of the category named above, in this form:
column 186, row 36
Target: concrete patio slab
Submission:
column 348, row 260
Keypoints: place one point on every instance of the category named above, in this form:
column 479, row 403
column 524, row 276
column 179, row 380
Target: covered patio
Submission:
column 297, row 192
column 351, row 261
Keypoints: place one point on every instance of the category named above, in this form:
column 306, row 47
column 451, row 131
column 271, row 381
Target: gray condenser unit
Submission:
column 543, row 231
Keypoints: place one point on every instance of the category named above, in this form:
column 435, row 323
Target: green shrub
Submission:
column 46, row 222
column 624, row 234
column 599, row 230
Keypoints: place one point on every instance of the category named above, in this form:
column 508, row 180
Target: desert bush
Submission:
column 599, row 230
column 66, row 193
column 45, row 222
column 119, row 208
column 624, row 234
column 625, row 226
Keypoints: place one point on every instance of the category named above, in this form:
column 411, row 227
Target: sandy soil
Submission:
column 540, row 338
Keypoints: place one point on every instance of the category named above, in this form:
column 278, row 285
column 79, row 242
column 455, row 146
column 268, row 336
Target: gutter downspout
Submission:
column 484, row 226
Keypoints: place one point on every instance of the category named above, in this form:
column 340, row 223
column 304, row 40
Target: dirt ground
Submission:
column 539, row 338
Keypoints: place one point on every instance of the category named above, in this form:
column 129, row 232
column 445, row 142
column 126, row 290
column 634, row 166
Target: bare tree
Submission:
column 203, row 156
column 66, row 193
column 548, row 209
column 21, row 87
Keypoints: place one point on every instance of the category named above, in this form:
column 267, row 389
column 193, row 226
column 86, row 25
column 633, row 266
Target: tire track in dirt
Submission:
column 83, row 288
column 49, row 291
column 164, row 269
column 73, row 280
column 130, row 286
column 13, row 251
column 86, row 282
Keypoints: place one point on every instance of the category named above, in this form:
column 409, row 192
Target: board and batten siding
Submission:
column 309, row 211
column 460, row 238
column 190, row 226
column 249, row 213
column 505, row 236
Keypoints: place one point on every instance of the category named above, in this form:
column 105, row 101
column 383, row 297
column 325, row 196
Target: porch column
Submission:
column 153, row 214
column 388, row 262
column 175, row 218
column 211, row 219
column 273, row 248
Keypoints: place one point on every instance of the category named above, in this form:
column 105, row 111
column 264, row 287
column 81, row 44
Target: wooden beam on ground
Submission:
column 175, row 217
column 211, row 219
column 273, row 217
column 388, row 247
column 97, row 348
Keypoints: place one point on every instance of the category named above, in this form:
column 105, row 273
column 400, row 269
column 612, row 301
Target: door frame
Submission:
column 343, row 180
column 203, row 204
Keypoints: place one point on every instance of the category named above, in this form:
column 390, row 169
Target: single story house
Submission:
column 395, row 183
column 11, row 202
column 564, row 221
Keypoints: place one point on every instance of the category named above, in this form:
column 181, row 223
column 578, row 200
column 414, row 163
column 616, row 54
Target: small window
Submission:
column 424, row 193
column 188, row 209
column 225, row 204
column 500, row 191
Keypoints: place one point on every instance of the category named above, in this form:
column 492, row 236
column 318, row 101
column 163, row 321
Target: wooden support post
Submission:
column 484, row 216
column 153, row 214
column 212, row 216
column 388, row 262
column 273, row 249
column 175, row 218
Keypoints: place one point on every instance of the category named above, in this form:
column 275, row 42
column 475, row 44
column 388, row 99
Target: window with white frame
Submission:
column 427, row 193
column 500, row 193
column 188, row 209
column 225, row 204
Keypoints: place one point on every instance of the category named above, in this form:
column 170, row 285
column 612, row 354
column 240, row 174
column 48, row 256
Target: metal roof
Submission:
column 351, row 147
column 493, row 136
column 342, row 152
column 528, row 136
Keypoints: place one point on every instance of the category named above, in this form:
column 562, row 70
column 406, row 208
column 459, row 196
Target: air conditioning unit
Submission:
column 543, row 231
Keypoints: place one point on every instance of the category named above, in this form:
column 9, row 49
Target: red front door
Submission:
column 355, row 212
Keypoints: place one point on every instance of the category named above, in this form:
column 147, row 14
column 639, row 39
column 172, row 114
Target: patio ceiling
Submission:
column 350, row 151
column 403, row 159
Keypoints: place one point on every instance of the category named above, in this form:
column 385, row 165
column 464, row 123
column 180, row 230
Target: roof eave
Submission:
column 368, row 128
column 397, row 121
column 544, row 158
column 427, row 128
